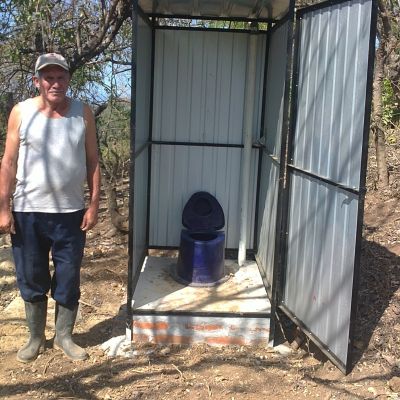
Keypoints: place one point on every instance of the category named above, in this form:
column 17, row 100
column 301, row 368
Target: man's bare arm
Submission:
column 8, row 170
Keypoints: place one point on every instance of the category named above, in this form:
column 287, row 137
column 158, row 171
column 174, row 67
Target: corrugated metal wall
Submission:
column 199, row 87
column 332, row 92
column 273, row 114
column 333, row 64
column 142, row 107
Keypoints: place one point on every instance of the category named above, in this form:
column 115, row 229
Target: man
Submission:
column 51, row 149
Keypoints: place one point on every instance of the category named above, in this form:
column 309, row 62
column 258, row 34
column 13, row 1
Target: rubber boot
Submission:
column 65, row 321
column 36, row 320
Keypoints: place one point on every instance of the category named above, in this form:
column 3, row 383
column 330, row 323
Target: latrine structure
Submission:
column 268, row 109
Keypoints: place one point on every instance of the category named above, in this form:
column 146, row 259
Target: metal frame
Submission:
column 363, row 176
column 203, row 313
column 279, row 270
column 260, row 152
column 282, row 200
column 200, row 28
column 325, row 180
column 197, row 144
column 263, row 149
column 134, row 278
column 153, row 41
column 210, row 18
column 131, row 237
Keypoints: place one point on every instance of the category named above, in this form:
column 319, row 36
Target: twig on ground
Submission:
column 209, row 390
column 180, row 372
column 116, row 273
column 47, row 365
column 89, row 305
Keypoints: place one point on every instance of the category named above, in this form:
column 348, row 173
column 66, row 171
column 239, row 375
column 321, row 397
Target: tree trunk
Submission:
column 119, row 221
column 377, row 127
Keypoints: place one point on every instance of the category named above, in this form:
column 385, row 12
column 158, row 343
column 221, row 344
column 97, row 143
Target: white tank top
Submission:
column 51, row 168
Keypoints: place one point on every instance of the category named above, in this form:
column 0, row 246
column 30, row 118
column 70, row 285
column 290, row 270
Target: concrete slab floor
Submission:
column 243, row 292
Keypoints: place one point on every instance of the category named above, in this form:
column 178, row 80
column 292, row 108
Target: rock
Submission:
column 5, row 240
column 390, row 359
column 97, row 252
column 117, row 346
column 283, row 350
column 111, row 233
column 394, row 384
column 92, row 234
column 372, row 390
column 165, row 351
column 15, row 311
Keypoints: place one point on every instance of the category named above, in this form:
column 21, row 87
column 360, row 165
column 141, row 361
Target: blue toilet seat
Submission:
column 203, row 212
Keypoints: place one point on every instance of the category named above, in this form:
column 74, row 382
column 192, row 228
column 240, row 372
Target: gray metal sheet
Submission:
column 331, row 92
column 179, row 171
column 142, row 115
column 267, row 212
column 140, row 208
column 275, row 89
column 199, row 86
column 274, row 103
column 253, row 9
column 320, row 259
column 329, row 134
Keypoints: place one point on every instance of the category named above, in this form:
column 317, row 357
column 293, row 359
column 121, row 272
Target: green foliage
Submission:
column 5, row 108
column 390, row 113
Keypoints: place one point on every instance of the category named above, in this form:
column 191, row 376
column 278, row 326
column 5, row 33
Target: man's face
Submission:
column 53, row 83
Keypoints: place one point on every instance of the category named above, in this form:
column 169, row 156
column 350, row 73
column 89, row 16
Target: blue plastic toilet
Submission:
column 202, row 247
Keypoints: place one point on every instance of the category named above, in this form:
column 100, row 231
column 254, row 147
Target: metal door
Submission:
column 326, row 169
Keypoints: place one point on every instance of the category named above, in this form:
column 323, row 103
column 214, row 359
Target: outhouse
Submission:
column 267, row 108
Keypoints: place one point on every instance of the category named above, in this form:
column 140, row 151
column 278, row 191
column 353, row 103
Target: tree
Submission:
column 386, row 79
column 114, row 137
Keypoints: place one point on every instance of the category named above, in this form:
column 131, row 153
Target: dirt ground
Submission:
column 182, row 372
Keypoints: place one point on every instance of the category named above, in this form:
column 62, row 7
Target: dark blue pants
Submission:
column 36, row 235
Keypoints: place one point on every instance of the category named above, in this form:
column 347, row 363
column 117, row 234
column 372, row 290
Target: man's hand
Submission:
column 89, row 219
column 7, row 222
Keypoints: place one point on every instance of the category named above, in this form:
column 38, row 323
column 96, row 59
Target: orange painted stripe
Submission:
column 266, row 330
column 205, row 327
column 136, row 337
column 150, row 325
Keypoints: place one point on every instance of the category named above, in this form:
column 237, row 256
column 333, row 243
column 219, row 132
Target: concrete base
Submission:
column 237, row 311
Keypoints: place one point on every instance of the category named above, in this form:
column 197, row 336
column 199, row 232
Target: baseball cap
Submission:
column 51, row 59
